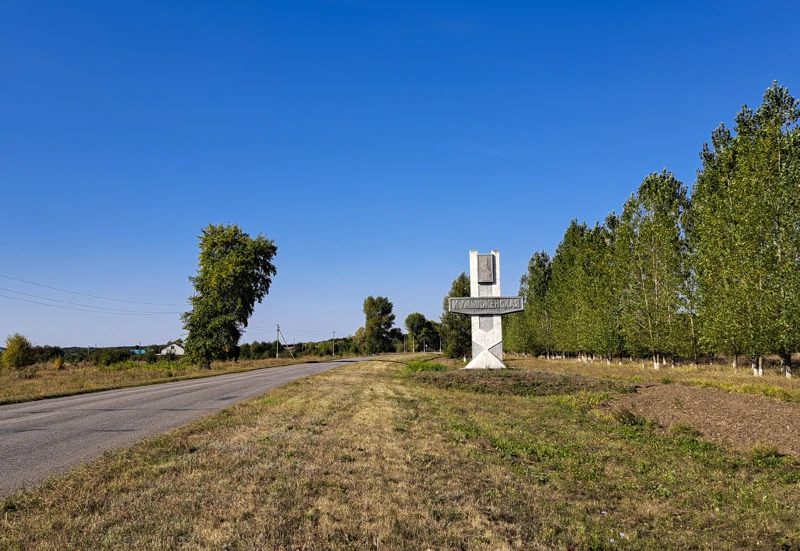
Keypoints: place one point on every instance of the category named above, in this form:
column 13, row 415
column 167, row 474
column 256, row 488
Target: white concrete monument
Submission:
column 485, row 306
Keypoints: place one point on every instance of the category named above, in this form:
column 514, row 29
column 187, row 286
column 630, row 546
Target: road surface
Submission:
column 49, row 436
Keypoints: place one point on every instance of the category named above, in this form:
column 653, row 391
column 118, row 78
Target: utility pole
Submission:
column 334, row 343
column 277, row 340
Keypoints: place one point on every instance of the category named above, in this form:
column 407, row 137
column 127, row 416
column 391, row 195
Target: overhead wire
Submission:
column 97, row 308
column 85, row 310
column 91, row 296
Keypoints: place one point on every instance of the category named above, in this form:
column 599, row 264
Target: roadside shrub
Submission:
column 426, row 366
column 108, row 356
column 58, row 362
column 19, row 352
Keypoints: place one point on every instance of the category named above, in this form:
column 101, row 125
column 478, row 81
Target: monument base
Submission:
column 486, row 360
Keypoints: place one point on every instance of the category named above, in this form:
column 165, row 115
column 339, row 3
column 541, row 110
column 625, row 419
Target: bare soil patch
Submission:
column 738, row 420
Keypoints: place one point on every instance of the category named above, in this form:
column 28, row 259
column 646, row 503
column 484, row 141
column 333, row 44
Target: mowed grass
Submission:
column 380, row 456
column 44, row 381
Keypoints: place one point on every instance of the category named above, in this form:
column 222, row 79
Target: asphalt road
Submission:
column 49, row 436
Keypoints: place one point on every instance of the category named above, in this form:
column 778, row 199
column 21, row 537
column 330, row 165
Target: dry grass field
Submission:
column 377, row 455
column 44, row 381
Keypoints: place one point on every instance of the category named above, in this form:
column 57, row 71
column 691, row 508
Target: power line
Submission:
column 83, row 305
column 83, row 310
column 92, row 296
column 304, row 332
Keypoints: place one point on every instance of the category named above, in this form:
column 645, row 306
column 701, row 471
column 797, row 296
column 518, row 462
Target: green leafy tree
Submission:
column 19, row 352
column 415, row 325
column 456, row 329
column 531, row 330
column 581, row 299
column 565, row 291
column 651, row 267
column 599, row 302
column 234, row 272
column 379, row 321
column 360, row 340
column 429, row 337
column 744, row 233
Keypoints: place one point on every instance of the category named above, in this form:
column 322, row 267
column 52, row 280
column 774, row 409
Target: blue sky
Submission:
column 375, row 142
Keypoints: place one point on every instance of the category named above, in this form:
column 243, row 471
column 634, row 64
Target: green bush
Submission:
column 19, row 352
column 426, row 366
column 109, row 356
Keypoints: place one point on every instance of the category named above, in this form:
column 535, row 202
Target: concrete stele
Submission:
column 487, row 330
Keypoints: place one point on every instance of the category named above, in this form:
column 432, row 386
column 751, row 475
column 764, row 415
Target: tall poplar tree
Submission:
column 531, row 330
column 564, row 291
column 651, row 268
column 744, row 230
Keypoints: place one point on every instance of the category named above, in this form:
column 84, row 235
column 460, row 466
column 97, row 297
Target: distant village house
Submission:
column 172, row 349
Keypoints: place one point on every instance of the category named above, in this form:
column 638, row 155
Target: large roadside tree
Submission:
column 456, row 329
column 234, row 272
column 379, row 321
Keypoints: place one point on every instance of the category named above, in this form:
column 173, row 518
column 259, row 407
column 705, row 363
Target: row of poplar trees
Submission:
column 679, row 275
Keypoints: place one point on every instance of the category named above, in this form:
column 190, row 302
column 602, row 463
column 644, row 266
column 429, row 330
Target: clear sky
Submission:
column 375, row 142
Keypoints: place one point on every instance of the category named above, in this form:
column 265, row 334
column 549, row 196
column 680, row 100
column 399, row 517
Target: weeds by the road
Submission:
column 372, row 456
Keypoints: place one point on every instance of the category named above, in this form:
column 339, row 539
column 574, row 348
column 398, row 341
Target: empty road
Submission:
column 48, row 436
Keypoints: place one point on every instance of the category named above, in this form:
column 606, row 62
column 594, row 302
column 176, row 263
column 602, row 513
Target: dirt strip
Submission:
column 739, row 420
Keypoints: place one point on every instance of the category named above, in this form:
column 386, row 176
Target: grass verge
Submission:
column 38, row 382
column 372, row 456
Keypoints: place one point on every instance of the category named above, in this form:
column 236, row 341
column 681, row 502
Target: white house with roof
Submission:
column 172, row 349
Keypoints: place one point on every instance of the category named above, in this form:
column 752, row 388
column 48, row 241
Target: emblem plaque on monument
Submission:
column 485, row 268
column 485, row 306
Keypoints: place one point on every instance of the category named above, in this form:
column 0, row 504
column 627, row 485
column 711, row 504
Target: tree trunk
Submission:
column 735, row 362
column 761, row 366
column 655, row 361
column 786, row 364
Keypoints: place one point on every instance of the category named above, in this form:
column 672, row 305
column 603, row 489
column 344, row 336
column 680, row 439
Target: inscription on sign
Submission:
column 490, row 306
column 485, row 268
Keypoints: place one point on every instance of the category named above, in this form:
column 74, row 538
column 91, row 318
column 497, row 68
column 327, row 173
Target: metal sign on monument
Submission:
column 486, row 306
